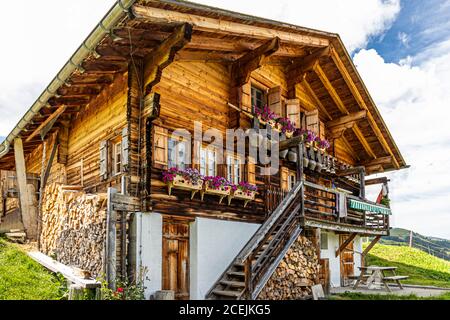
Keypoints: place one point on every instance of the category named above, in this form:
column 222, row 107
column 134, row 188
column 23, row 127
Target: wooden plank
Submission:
column 378, row 162
column 317, row 101
column 29, row 214
column 371, row 182
column 363, row 141
column 351, row 118
column 66, row 271
column 345, row 244
column 52, row 117
column 110, row 259
column 297, row 70
column 351, row 85
column 242, row 68
column 118, row 198
column 208, row 24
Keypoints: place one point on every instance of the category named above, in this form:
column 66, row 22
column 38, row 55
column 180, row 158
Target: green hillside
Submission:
column 434, row 246
column 421, row 267
column 21, row 278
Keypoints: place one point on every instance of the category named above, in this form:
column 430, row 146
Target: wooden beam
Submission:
column 28, row 212
column 359, row 99
column 209, row 24
column 111, row 234
column 345, row 244
column 368, row 248
column 162, row 56
column 319, row 104
column 349, row 172
column 375, row 181
column 49, row 164
column 243, row 67
column 363, row 141
column 351, row 118
column 337, row 100
column 52, row 117
column 297, row 70
column 374, row 169
column 379, row 161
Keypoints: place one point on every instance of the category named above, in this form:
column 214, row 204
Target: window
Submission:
column 234, row 173
column 208, row 166
column 258, row 98
column 292, row 179
column 177, row 154
column 323, row 240
column 117, row 158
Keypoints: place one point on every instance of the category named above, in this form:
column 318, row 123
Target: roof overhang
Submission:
column 136, row 27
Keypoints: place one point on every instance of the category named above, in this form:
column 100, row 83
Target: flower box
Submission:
column 222, row 191
column 246, row 196
column 182, row 183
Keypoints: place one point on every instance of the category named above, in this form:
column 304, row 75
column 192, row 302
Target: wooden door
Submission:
column 347, row 261
column 175, row 250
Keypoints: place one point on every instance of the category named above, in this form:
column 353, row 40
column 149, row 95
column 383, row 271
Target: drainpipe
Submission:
column 114, row 16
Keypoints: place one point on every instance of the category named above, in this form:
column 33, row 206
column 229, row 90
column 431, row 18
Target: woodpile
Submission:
column 74, row 227
column 295, row 275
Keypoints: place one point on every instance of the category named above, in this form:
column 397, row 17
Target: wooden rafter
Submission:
column 345, row 244
column 52, row 117
column 297, row 70
column 209, row 24
column 342, row 121
column 243, row 67
column 337, row 100
column 163, row 55
column 359, row 99
column 376, row 181
column 379, row 161
column 316, row 99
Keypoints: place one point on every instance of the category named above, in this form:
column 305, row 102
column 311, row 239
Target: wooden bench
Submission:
column 396, row 279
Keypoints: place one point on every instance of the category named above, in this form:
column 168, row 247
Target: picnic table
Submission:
column 377, row 276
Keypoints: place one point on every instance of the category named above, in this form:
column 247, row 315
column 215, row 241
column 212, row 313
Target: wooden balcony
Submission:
column 332, row 209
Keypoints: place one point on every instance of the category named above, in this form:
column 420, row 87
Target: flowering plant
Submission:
column 324, row 144
column 190, row 174
column 245, row 187
column 217, row 182
column 265, row 114
column 286, row 125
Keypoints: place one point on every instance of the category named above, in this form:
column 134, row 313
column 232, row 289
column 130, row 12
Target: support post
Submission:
column 28, row 212
column 110, row 259
column 369, row 247
column 362, row 184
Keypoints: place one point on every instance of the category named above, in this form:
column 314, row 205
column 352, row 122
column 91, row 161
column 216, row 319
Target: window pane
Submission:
column 324, row 241
column 172, row 155
column 202, row 162
column 181, row 155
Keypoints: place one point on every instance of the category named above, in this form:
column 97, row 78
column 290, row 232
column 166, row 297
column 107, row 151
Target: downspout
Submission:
column 114, row 15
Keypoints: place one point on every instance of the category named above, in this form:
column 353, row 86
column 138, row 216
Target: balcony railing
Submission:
column 334, row 207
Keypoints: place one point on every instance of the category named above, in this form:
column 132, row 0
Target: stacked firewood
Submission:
column 74, row 227
column 295, row 275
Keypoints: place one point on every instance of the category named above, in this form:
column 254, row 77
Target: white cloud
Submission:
column 355, row 20
column 414, row 103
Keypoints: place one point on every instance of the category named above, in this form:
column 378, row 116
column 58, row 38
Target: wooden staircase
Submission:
column 249, row 272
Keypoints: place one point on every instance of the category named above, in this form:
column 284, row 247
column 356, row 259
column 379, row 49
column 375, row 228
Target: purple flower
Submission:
column 265, row 114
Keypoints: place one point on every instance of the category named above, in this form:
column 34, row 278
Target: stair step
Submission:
column 236, row 273
column 233, row 294
column 235, row 284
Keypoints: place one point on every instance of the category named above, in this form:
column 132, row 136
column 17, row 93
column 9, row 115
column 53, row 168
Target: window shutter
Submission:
column 321, row 130
column 125, row 147
column 104, row 159
column 293, row 111
column 246, row 97
column 284, row 178
column 312, row 121
column 160, row 151
column 196, row 154
column 251, row 171
column 274, row 98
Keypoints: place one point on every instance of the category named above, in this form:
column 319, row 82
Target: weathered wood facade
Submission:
column 166, row 64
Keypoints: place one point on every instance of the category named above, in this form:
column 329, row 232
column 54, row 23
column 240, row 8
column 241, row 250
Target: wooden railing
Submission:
column 322, row 203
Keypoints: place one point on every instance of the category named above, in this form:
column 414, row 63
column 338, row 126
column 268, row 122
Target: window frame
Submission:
column 177, row 143
column 324, row 243
column 254, row 88
column 117, row 152
column 239, row 167
column 207, row 150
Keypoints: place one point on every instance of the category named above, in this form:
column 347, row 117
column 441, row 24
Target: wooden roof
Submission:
column 223, row 36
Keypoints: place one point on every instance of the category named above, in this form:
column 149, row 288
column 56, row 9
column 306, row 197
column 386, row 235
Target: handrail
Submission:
column 256, row 240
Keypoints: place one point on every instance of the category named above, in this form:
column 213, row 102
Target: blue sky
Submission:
column 419, row 25
column 400, row 47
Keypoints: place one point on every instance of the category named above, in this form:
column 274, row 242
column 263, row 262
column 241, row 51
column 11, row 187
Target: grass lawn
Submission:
column 422, row 268
column 21, row 278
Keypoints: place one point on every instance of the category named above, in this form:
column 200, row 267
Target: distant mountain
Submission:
column 432, row 245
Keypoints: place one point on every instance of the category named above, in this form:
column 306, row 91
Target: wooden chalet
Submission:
column 104, row 124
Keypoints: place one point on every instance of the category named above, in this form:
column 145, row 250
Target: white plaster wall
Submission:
column 149, row 249
column 214, row 244
column 357, row 247
column 330, row 254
